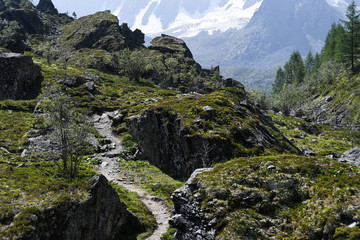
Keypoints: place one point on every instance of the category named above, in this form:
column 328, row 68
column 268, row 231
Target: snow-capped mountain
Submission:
column 186, row 18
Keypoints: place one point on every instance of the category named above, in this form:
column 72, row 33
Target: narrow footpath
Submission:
column 110, row 169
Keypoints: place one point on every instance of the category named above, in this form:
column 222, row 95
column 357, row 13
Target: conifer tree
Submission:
column 352, row 29
column 328, row 51
column 279, row 81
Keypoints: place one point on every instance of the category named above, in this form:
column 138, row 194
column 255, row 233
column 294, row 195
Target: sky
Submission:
column 81, row 7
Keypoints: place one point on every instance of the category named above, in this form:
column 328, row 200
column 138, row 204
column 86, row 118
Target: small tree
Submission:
column 74, row 15
column 70, row 133
column 132, row 64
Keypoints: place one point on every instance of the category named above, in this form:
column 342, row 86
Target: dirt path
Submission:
column 110, row 169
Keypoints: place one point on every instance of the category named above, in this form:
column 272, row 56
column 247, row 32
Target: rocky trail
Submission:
column 110, row 169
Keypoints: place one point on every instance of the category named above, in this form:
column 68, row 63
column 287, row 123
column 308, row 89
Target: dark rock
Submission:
column 172, row 45
column 133, row 39
column 17, row 75
column 164, row 141
column 73, row 81
column 189, row 219
column 101, row 216
column 308, row 151
column 100, row 31
column 229, row 82
column 28, row 19
column 47, row 6
column 351, row 156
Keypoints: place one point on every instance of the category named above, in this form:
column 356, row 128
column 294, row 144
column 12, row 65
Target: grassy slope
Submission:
column 302, row 198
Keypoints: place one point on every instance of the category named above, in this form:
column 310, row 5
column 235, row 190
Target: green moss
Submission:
column 137, row 207
column 150, row 178
column 13, row 126
column 324, row 140
column 25, row 191
column 287, row 197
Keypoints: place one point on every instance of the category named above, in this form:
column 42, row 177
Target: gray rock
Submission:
column 101, row 216
column 17, row 75
column 188, row 219
column 90, row 85
column 351, row 156
column 308, row 151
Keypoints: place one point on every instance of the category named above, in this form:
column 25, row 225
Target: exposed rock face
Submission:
column 351, row 157
column 27, row 18
column 133, row 39
column 163, row 141
column 102, row 216
column 326, row 110
column 17, row 74
column 172, row 45
column 167, row 144
column 189, row 219
column 100, row 31
column 47, row 6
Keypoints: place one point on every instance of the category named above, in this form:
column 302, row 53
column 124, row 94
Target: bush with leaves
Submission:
column 71, row 132
column 132, row 64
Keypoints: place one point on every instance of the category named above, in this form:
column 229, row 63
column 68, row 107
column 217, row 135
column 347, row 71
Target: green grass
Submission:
column 136, row 207
column 26, row 191
column 150, row 178
column 13, row 126
column 302, row 198
column 325, row 142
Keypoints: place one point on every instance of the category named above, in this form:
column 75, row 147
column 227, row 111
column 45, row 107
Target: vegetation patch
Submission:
column 36, row 185
column 282, row 197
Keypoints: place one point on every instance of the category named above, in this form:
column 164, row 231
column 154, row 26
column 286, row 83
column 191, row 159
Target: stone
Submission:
column 308, row 151
column 18, row 73
column 351, row 156
column 90, row 85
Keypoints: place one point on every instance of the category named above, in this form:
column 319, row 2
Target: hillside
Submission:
column 84, row 96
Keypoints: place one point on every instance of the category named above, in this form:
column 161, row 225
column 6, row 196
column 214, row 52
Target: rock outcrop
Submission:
column 47, row 6
column 166, row 143
column 28, row 19
column 102, row 216
column 100, row 31
column 17, row 74
column 172, row 45
column 264, row 197
column 189, row 219
column 351, row 156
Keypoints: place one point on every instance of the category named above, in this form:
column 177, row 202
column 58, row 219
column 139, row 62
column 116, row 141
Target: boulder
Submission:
column 351, row 156
column 17, row 75
column 172, row 45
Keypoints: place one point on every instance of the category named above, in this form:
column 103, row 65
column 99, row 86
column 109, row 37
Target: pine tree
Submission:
column 352, row 29
column 309, row 63
column 341, row 45
column 295, row 69
column 279, row 81
column 328, row 51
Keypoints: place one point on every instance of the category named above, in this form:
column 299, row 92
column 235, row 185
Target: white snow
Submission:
column 215, row 18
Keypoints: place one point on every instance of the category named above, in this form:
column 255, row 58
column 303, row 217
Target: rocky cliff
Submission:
column 17, row 74
column 102, row 216
column 100, row 31
column 187, row 133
